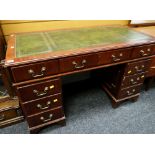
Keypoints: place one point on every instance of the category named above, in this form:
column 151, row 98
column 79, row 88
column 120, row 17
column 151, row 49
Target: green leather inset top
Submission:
column 42, row 42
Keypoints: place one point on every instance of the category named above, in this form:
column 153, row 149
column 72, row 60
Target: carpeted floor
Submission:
column 88, row 110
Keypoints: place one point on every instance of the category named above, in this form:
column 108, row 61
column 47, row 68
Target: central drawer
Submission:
column 114, row 56
column 42, row 104
column 78, row 62
column 45, row 117
column 39, row 90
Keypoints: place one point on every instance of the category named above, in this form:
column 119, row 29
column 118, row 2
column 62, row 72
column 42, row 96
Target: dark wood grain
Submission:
column 143, row 51
column 151, row 71
column 31, row 108
column 137, row 67
column 51, row 67
column 78, row 62
column 133, row 80
column 26, row 93
column 36, row 120
column 114, row 56
column 125, row 92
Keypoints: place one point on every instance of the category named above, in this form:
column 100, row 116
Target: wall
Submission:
column 17, row 26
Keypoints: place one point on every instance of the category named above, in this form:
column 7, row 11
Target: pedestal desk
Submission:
column 36, row 61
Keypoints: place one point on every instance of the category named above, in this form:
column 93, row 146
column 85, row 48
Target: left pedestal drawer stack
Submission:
column 41, row 103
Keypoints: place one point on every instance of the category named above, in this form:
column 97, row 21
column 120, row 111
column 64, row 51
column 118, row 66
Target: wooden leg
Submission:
column 149, row 83
column 115, row 104
column 134, row 99
column 62, row 123
column 35, row 131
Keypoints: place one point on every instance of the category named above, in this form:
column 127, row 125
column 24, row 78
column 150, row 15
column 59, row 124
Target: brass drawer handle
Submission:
column 131, row 93
column 46, row 107
column 2, row 117
column 77, row 66
column 142, row 52
column 115, row 59
column 41, row 93
column 139, row 70
column 46, row 120
column 132, row 81
column 32, row 73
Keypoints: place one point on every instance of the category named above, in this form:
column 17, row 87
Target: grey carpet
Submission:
column 88, row 110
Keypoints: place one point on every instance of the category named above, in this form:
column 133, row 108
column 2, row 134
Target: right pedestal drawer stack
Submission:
column 124, row 82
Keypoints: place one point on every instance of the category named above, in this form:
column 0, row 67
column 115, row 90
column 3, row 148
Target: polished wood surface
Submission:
column 133, row 79
column 34, row 71
column 39, row 90
column 125, row 92
column 45, row 117
column 41, row 105
column 78, row 62
column 137, row 67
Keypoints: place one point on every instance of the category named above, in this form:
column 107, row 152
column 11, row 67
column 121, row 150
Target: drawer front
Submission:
column 41, row 105
column 152, row 68
column 34, row 71
column 78, row 62
column 153, row 49
column 39, row 90
column 133, row 80
column 8, row 114
column 137, row 67
column 45, row 117
column 129, row 91
column 114, row 56
column 142, row 51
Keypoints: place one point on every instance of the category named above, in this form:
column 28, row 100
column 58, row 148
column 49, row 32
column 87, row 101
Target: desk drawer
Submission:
column 78, row 62
column 126, row 92
column 114, row 56
column 137, row 67
column 142, row 51
column 41, row 105
column 45, row 117
column 39, row 90
column 152, row 68
column 34, row 71
column 133, row 80
column 153, row 49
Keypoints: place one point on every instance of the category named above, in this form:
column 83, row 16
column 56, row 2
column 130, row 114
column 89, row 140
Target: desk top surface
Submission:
column 36, row 45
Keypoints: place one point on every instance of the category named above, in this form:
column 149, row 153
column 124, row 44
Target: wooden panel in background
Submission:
column 10, row 27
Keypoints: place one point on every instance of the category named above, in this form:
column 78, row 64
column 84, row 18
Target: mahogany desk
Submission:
column 35, row 63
